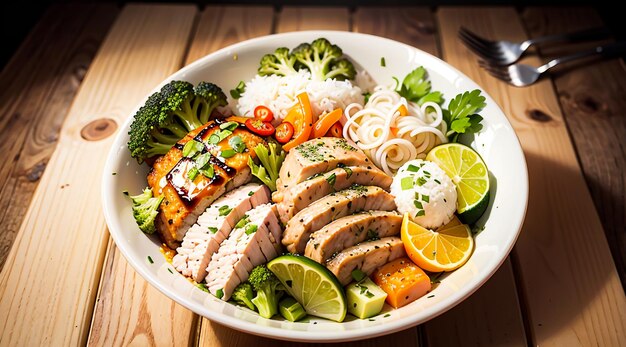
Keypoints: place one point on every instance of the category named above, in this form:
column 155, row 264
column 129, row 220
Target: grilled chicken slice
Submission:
column 213, row 226
column 318, row 156
column 184, row 200
column 350, row 230
column 335, row 205
column 249, row 245
column 366, row 256
column 293, row 199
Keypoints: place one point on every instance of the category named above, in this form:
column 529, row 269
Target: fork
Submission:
column 521, row 75
column 506, row 52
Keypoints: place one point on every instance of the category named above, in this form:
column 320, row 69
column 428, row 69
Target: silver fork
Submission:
column 521, row 75
column 506, row 52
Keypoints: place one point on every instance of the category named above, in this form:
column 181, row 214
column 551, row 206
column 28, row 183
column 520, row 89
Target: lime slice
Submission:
column 469, row 173
column 312, row 285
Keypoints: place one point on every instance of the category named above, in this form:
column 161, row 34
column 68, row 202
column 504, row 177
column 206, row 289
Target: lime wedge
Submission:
column 312, row 285
column 470, row 175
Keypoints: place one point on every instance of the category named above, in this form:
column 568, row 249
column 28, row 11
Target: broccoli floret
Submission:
column 169, row 114
column 323, row 60
column 145, row 210
column 208, row 97
column 281, row 63
column 243, row 295
column 269, row 290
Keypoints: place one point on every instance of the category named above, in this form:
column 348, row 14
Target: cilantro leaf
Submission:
column 415, row 85
column 461, row 115
column 435, row 97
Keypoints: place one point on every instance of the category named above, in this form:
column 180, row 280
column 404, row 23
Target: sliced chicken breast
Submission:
column 204, row 238
column 366, row 256
column 350, row 230
column 292, row 200
column 335, row 205
column 318, row 156
column 247, row 246
column 184, row 199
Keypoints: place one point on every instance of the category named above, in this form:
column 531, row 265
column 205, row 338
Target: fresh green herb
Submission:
column 224, row 210
column 209, row 172
column 202, row 287
column 214, row 139
column 425, row 198
column 435, row 278
column 150, row 260
column 239, row 89
column 220, row 293
column 437, row 181
column 382, row 62
column 420, row 213
column 372, row 234
column 212, row 230
column 430, row 296
column 231, row 126
column 219, row 136
column 387, row 315
column 369, row 294
column 251, row 228
column 461, row 115
column 358, row 275
column 242, row 222
column 227, row 153
column 191, row 148
column 250, row 193
column 426, row 173
column 331, row 179
column 366, row 97
column 418, row 204
column 421, row 181
column 435, row 97
column 170, row 270
column 192, row 173
column 271, row 158
column 415, row 85
column 372, row 320
column 412, row 168
column 237, row 144
column 363, row 288
column 407, row 183
column 202, row 161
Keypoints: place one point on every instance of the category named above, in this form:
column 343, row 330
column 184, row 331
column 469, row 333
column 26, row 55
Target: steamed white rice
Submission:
column 279, row 94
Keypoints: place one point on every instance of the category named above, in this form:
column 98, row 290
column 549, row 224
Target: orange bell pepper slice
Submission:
column 321, row 127
column 301, row 117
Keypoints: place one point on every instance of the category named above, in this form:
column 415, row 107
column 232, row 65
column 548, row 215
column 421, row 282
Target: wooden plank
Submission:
column 41, row 90
column 313, row 18
column 593, row 111
column 569, row 283
column 142, row 309
column 416, row 27
column 48, row 286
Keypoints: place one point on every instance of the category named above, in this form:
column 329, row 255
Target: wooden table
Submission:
column 84, row 67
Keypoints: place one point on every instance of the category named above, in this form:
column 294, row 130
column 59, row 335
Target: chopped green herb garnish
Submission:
column 421, row 181
column 170, row 270
column 202, row 287
column 430, row 296
column 224, row 210
column 229, row 125
column 251, row 228
column 214, row 139
column 426, row 173
column 212, row 230
column 250, row 193
column 372, row 234
column 387, row 315
column 191, row 148
column 420, row 213
column 369, row 294
column 358, row 275
column 203, row 160
column 437, row 181
column 407, row 183
column 418, row 204
column 209, row 172
column 237, row 144
column 425, row 198
column 242, row 222
column 220, row 293
column 412, row 168
column 228, row 153
column 193, row 173
column 239, row 89
column 150, row 260
column 363, row 288
column 382, row 62
column 331, row 179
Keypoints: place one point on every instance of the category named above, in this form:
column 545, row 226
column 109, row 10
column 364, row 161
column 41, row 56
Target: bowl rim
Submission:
column 298, row 335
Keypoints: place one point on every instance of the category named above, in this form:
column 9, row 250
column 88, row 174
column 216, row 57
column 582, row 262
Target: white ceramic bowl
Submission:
column 496, row 143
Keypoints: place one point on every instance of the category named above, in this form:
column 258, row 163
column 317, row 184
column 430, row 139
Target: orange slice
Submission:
column 445, row 249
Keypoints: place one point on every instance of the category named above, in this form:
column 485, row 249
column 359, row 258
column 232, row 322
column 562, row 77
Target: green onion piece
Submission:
column 202, row 287
column 192, row 173
column 425, row 198
column 417, row 204
column 331, row 179
column 406, row 183
column 229, row 125
column 237, row 144
column 224, row 210
column 412, row 168
column 191, row 148
column 369, row 294
column 436, row 180
column 421, row 181
column 250, row 193
column 214, row 139
column 358, row 275
column 251, row 228
column 209, row 172
column 348, row 171
column 420, row 213
column 242, row 222
column 150, row 260
column 239, row 89
column 382, row 62
column 212, row 230
column 228, row 153
column 203, row 160
column 220, row 293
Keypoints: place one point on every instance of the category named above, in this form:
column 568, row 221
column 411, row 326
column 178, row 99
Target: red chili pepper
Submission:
column 263, row 113
column 260, row 128
column 284, row 132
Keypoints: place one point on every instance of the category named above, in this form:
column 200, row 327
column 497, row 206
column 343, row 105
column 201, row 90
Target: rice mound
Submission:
column 279, row 94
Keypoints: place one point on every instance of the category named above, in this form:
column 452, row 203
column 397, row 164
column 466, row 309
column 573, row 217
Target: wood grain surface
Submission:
column 48, row 286
column 416, row 27
column 571, row 290
column 36, row 97
column 312, row 18
column 595, row 118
